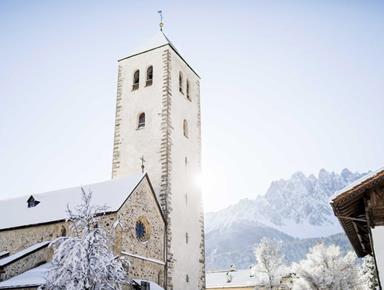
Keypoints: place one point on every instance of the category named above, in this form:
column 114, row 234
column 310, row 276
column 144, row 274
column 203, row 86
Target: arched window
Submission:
column 149, row 76
column 136, row 80
column 188, row 91
column 185, row 128
column 141, row 123
column 181, row 82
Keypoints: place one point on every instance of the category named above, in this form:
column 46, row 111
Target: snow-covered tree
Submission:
column 368, row 273
column 326, row 268
column 269, row 262
column 84, row 260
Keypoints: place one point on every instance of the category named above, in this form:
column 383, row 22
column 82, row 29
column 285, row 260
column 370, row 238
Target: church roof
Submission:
column 157, row 41
column 9, row 259
column 37, row 277
column 31, row 278
column 231, row 279
column 52, row 205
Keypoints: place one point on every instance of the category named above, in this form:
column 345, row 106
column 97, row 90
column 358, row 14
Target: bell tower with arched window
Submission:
column 158, row 118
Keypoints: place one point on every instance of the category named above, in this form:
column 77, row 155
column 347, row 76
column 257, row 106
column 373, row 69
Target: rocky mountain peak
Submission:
column 294, row 210
column 290, row 203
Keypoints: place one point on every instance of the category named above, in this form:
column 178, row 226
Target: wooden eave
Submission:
column 359, row 209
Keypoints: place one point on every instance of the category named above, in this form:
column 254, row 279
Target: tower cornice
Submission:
column 160, row 41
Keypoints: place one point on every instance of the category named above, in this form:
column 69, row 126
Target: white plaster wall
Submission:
column 141, row 142
column 378, row 242
column 185, row 215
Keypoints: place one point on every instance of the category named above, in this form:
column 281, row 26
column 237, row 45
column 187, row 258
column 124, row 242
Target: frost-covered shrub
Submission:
column 326, row 268
column 84, row 260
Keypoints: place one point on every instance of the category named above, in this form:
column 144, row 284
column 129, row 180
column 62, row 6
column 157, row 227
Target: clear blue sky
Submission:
column 286, row 86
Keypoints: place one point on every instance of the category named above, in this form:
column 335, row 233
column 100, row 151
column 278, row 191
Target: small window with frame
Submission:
column 149, row 80
column 136, row 80
column 181, row 80
column 188, row 89
column 141, row 122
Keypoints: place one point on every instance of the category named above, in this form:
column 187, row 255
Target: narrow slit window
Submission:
column 149, row 80
column 141, row 123
column 136, row 80
column 185, row 129
column 181, row 82
column 188, row 91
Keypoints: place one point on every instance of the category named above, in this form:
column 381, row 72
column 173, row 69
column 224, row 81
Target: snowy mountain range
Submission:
column 295, row 211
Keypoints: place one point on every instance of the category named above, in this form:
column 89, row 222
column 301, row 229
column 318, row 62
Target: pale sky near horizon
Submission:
column 286, row 86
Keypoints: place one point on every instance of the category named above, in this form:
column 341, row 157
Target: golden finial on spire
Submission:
column 161, row 19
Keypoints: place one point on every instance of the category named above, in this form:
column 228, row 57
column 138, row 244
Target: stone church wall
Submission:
column 14, row 240
column 142, row 205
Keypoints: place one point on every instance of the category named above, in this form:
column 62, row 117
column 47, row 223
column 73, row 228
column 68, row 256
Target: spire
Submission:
column 161, row 20
column 142, row 164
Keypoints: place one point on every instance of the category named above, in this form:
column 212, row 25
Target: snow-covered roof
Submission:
column 354, row 204
column 53, row 205
column 4, row 254
column 239, row 278
column 20, row 254
column 31, row 278
column 358, row 182
column 36, row 277
column 154, row 286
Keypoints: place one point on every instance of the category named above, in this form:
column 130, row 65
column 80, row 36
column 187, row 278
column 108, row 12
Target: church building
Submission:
column 155, row 168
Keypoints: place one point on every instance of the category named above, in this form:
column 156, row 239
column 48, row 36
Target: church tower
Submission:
column 158, row 129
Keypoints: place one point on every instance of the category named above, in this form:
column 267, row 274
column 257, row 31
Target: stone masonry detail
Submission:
column 166, row 162
column 117, row 137
column 202, row 233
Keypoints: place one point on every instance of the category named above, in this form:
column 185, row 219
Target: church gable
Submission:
column 141, row 228
column 141, row 218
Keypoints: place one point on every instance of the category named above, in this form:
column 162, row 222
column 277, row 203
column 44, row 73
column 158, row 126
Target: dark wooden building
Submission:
column 360, row 210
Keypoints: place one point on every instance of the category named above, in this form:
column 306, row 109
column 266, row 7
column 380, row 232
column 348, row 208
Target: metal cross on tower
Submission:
column 142, row 163
column 161, row 19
